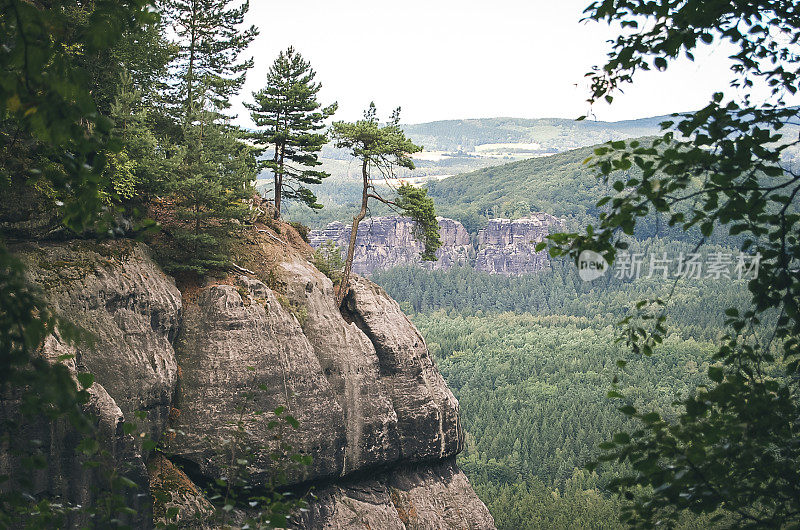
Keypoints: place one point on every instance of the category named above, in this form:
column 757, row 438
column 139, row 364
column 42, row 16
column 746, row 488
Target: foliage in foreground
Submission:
column 54, row 140
column 85, row 132
column 733, row 449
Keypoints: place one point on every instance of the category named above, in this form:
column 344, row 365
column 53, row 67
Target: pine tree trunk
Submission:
column 278, row 180
column 190, row 70
column 278, row 185
column 351, row 247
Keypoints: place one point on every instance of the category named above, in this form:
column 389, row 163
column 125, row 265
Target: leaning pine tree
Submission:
column 291, row 119
column 384, row 148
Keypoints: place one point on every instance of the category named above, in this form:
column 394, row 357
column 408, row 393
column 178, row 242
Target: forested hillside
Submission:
column 531, row 360
column 455, row 141
column 560, row 185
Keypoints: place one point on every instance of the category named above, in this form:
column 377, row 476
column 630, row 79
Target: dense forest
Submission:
column 531, row 360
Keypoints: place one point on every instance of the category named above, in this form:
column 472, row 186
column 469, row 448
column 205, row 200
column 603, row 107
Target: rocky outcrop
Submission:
column 419, row 395
column 365, row 393
column 508, row 247
column 214, row 367
column 504, row 246
column 385, row 242
column 70, row 476
column 178, row 500
column 130, row 312
column 360, row 382
column 431, row 497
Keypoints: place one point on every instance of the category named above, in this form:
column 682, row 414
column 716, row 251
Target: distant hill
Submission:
column 552, row 134
column 559, row 184
column 457, row 147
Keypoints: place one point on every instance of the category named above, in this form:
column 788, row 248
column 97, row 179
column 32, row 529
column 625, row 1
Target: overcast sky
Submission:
column 451, row 59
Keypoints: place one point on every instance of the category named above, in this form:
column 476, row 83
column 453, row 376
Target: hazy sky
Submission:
column 448, row 59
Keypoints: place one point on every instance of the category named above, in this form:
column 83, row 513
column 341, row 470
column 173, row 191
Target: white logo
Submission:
column 591, row 265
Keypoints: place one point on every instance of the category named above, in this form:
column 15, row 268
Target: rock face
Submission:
column 131, row 311
column 504, row 246
column 508, row 247
column 372, row 409
column 384, row 242
column 419, row 395
column 366, row 392
column 414, row 497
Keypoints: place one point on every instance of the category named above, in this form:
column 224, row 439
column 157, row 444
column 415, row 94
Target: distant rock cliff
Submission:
column 373, row 410
column 508, row 247
column 384, row 242
column 504, row 246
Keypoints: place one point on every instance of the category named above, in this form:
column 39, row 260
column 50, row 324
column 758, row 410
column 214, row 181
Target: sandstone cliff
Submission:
column 504, row 246
column 373, row 410
column 384, row 242
column 508, row 247
column 132, row 311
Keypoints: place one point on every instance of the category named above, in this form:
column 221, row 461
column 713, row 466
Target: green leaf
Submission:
column 85, row 379
column 621, row 438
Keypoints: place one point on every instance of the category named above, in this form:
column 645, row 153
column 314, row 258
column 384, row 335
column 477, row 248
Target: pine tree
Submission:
column 136, row 171
column 210, row 196
column 215, row 168
column 288, row 110
column 210, row 40
column 384, row 148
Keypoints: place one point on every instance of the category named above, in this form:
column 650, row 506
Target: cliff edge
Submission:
column 374, row 413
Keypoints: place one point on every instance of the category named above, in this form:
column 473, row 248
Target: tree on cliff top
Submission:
column 210, row 39
column 733, row 449
column 213, row 167
column 384, row 148
column 288, row 110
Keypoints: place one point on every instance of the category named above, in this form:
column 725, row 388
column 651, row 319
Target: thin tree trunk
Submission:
column 351, row 247
column 278, row 185
column 278, row 182
column 190, row 70
column 278, row 160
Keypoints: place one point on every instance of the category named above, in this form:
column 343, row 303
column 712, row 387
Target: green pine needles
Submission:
column 214, row 167
column 385, row 147
column 415, row 203
column 291, row 120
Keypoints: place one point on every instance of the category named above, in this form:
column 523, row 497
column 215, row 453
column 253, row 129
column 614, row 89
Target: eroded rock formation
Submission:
column 131, row 311
column 384, row 242
column 373, row 410
column 432, row 496
column 508, row 247
column 504, row 246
